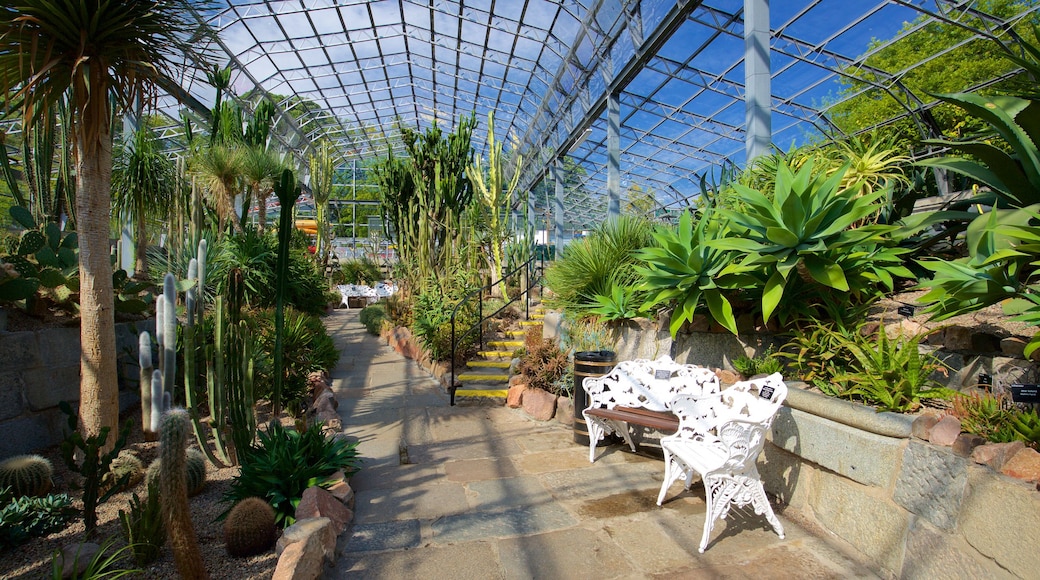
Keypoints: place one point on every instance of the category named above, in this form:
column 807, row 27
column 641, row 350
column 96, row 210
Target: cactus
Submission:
column 169, row 332
column 173, row 487
column 195, row 464
column 144, row 357
column 250, row 528
column 26, row 475
column 126, row 469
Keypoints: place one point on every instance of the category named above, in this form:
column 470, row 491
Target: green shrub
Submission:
column 307, row 347
column 28, row 517
column 362, row 270
column 284, row 463
column 765, row 364
column 372, row 317
column 143, row 526
column 432, row 325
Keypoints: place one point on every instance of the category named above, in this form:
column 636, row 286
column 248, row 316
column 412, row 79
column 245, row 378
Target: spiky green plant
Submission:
column 595, row 264
column 892, row 374
column 142, row 526
column 173, row 487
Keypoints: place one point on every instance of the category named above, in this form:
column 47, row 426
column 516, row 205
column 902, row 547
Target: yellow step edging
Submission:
column 490, row 393
column 490, row 364
column 506, row 343
column 481, row 377
column 495, row 353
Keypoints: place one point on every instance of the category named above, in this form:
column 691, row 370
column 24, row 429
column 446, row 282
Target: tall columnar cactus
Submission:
column 288, row 191
column 496, row 195
column 169, row 331
column 144, row 357
column 173, row 489
column 26, row 475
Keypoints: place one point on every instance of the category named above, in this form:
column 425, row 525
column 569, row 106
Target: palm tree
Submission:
column 143, row 185
column 220, row 169
column 96, row 50
column 260, row 167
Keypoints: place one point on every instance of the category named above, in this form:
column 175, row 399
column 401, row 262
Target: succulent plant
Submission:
column 26, row 475
column 250, row 528
column 126, row 465
column 194, row 462
column 173, row 489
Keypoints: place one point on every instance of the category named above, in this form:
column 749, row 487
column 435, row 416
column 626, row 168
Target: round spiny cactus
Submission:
column 125, row 463
column 250, row 528
column 194, row 461
column 26, row 475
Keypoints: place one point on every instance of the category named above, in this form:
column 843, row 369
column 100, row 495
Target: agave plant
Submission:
column 1011, row 172
column 684, row 268
column 807, row 227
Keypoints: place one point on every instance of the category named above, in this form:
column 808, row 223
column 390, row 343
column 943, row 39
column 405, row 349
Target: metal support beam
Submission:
column 557, row 172
column 759, row 137
column 613, row 156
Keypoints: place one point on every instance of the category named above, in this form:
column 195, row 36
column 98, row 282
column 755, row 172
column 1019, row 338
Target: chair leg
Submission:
column 595, row 434
column 709, row 511
column 669, row 467
column 760, row 503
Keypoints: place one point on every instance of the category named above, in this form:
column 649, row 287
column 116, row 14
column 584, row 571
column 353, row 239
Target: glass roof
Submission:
column 355, row 70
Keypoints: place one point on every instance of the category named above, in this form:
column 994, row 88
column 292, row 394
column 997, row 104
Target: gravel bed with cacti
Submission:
column 33, row 559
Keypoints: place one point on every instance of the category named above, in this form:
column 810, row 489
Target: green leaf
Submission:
column 132, row 306
column 827, row 273
column 17, row 289
column 772, row 293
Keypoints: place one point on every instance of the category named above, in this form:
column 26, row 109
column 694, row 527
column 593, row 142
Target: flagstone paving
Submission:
column 487, row 492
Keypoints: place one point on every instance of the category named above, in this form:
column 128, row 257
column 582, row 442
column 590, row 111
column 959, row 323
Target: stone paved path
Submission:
column 486, row 492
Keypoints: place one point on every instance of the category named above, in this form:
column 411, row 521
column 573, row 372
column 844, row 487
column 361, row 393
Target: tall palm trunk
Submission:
column 99, row 389
column 141, row 267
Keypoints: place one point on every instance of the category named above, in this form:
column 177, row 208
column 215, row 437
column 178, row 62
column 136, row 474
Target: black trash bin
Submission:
column 590, row 363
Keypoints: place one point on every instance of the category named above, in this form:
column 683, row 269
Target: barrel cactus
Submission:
column 194, row 461
column 125, row 465
column 250, row 528
column 26, row 475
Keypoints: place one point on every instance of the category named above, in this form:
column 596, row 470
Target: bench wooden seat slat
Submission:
column 654, row 419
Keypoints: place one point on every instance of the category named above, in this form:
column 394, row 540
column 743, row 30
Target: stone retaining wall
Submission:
column 907, row 508
column 39, row 369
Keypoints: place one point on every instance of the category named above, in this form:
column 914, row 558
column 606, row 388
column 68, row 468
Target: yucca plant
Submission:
column 806, row 226
column 893, row 375
column 685, row 269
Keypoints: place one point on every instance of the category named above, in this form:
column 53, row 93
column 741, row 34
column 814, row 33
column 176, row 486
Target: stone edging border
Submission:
column 324, row 516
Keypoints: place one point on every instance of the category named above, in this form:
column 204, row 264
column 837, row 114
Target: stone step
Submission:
column 480, row 395
column 537, row 316
column 530, row 323
column 515, row 332
column 505, row 343
column 483, row 377
column 488, row 364
column 495, row 354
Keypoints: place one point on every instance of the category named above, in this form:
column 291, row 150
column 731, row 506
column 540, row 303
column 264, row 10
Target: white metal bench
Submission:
column 638, row 392
column 720, row 437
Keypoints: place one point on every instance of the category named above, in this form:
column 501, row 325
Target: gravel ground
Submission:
column 33, row 559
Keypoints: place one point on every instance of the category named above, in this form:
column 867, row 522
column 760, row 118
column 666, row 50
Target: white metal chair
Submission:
column 720, row 438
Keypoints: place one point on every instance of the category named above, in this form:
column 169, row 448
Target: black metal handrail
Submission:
column 532, row 281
